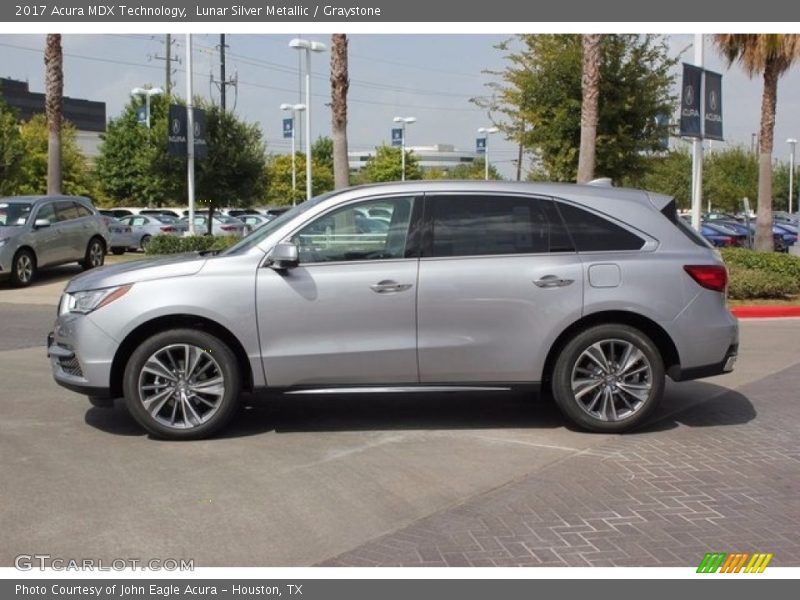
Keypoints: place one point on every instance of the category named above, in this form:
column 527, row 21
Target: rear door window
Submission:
column 481, row 225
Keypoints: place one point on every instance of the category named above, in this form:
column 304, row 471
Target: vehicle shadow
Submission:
column 707, row 405
column 47, row 276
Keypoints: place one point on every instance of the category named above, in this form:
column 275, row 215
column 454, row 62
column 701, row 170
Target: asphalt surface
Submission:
column 449, row 479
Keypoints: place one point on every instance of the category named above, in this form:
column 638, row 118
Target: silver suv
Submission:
column 595, row 292
column 45, row 231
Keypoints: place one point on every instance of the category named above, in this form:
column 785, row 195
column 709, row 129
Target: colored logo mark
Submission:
column 736, row 562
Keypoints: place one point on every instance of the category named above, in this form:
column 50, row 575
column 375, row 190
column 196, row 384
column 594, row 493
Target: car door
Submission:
column 50, row 242
column 347, row 314
column 498, row 281
column 70, row 227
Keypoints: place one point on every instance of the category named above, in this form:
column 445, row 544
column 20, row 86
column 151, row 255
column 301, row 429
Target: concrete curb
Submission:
column 765, row 312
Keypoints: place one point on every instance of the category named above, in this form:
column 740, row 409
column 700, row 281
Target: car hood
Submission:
column 180, row 265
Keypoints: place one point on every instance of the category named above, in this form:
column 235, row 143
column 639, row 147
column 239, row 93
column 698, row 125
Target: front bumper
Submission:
column 81, row 355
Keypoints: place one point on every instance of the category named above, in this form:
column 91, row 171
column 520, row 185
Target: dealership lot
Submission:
column 444, row 480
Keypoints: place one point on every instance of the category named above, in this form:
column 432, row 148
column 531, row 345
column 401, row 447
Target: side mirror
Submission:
column 284, row 256
column 39, row 223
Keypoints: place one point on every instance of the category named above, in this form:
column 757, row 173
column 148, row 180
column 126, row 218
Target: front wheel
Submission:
column 182, row 384
column 23, row 268
column 608, row 378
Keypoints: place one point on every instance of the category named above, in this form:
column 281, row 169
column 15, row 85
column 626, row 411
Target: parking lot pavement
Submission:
column 446, row 479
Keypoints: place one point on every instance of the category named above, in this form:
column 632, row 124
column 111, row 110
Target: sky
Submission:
column 430, row 77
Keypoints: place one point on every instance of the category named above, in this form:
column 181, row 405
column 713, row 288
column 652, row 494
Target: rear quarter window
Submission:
column 593, row 233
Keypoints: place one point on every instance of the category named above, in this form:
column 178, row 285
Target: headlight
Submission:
column 86, row 302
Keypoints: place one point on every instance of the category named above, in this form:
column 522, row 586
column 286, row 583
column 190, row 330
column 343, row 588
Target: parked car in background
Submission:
column 721, row 236
column 44, row 231
column 254, row 221
column 787, row 232
column 145, row 227
column 120, row 236
column 595, row 293
column 221, row 225
column 159, row 211
column 115, row 213
column 241, row 212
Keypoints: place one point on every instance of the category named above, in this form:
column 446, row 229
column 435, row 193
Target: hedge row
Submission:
column 755, row 275
column 173, row 244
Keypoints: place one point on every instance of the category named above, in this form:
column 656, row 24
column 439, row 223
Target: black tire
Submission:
column 613, row 340
column 95, row 255
column 221, row 359
column 118, row 251
column 144, row 242
column 23, row 268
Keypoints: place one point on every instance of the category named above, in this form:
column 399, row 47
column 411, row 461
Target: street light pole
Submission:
column 403, row 122
column 309, row 47
column 697, row 145
column 189, row 132
column 146, row 92
column 486, row 131
column 792, row 144
column 295, row 108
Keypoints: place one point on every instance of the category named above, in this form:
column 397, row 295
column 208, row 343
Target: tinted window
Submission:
column 47, row 212
column 481, row 225
column 66, row 210
column 592, row 233
column 346, row 234
column 83, row 211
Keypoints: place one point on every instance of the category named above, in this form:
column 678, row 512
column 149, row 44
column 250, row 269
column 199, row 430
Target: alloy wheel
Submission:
column 611, row 380
column 24, row 268
column 181, row 386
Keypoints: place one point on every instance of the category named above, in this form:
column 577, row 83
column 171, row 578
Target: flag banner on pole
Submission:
column 691, row 125
column 712, row 109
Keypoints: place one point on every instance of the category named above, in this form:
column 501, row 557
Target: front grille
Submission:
column 70, row 366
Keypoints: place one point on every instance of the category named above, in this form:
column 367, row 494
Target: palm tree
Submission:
column 590, row 89
column 54, row 86
column 770, row 55
column 340, row 83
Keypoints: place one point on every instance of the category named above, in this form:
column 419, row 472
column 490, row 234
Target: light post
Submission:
column 403, row 122
column 295, row 108
column 309, row 47
column 147, row 93
column 487, row 131
column 792, row 144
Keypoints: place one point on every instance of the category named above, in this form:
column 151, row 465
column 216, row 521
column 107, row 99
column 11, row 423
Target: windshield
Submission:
column 14, row 214
column 268, row 228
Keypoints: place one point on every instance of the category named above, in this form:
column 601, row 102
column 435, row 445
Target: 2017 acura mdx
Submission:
column 597, row 292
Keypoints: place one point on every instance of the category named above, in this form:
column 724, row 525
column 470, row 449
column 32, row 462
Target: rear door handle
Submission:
column 388, row 286
column 552, row 281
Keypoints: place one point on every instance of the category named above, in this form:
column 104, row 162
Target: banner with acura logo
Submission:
column 701, row 119
column 712, row 107
column 177, row 132
column 691, row 125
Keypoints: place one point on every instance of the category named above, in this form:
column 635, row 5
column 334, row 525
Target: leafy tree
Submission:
column 473, row 170
column 385, row 165
column 76, row 177
column 135, row 168
column 729, row 176
column 12, row 150
column 322, row 152
column 769, row 55
column 670, row 174
column 542, row 88
column 279, row 178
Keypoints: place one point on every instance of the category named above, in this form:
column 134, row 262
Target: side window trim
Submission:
column 648, row 243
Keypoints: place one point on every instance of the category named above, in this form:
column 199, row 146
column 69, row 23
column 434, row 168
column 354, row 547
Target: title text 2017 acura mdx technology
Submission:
column 596, row 292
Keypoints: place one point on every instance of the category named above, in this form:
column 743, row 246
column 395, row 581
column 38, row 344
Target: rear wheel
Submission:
column 608, row 378
column 23, row 268
column 95, row 254
column 144, row 242
column 182, row 384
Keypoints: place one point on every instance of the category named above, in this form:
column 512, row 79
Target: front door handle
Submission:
column 387, row 286
column 552, row 281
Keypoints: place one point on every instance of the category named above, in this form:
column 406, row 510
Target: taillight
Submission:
column 228, row 228
column 711, row 277
column 729, row 241
column 168, row 229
